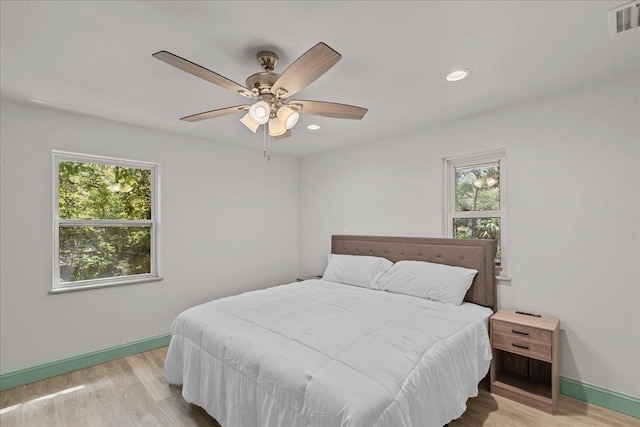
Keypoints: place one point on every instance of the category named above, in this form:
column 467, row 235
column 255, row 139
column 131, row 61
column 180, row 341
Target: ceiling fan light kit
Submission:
column 249, row 123
column 271, row 90
column 276, row 127
column 288, row 116
column 259, row 112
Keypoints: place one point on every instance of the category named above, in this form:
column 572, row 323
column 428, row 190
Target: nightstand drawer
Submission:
column 520, row 331
column 522, row 344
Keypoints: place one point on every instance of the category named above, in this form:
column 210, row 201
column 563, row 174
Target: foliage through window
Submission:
column 475, row 200
column 105, row 222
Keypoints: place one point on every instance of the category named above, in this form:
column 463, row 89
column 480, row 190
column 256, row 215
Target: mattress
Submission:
column 317, row 353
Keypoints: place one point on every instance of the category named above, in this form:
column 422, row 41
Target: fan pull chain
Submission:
column 264, row 142
column 268, row 150
column 265, row 150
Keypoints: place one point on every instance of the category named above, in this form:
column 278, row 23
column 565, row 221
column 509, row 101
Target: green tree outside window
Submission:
column 119, row 201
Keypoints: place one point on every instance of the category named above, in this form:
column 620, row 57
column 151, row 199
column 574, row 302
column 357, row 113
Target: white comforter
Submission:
column 318, row 353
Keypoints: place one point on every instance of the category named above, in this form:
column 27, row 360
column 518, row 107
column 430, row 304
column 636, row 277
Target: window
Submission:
column 475, row 200
column 105, row 222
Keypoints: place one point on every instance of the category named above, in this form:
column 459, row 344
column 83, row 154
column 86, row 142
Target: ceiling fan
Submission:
column 271, row 91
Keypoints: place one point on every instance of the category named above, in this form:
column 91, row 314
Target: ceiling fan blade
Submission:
column 215, row 113
column 287, row 134
column 203, row 73
column 305, row 70
column 328, row 109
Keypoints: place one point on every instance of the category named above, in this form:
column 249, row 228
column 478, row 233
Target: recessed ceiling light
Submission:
column 313, row 127
column 459, row 74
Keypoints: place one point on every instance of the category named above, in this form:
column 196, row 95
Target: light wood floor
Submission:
column 133, row 392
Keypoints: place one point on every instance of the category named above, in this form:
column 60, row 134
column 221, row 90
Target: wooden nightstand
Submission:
column 526, row 359
column 303, row 278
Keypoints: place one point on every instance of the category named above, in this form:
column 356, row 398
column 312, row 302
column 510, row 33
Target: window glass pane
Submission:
column 477, row 228
column 98, row 252
column 96, row 191
column 477, row 188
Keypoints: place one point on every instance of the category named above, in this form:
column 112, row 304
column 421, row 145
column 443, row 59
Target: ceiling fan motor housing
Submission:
column 262, row 81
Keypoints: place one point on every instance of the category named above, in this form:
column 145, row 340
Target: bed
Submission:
column 321, row 353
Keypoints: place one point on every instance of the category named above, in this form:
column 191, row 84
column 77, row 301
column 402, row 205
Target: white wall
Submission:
column 229, row 224
column 573, row 206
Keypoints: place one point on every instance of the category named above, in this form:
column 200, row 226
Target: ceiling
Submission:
column 95, row 58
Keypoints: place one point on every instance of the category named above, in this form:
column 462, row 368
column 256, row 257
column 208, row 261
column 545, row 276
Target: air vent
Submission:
column 624, row 18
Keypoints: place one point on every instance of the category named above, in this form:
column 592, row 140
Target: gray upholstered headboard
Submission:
column 470, row 253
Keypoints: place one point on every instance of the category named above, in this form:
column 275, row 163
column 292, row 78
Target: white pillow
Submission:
column 358, row 270
column 437, row 282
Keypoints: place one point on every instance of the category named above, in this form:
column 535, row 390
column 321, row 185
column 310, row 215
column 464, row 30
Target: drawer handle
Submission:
column 520, row 333
column 520, row 346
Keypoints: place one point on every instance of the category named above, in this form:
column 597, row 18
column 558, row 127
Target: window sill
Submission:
column 110, row 284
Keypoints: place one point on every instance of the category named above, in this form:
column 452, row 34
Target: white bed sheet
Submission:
column 318, row 353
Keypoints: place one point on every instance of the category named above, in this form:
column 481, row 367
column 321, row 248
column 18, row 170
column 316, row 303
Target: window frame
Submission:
column 450, row 164
column 153, row 223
